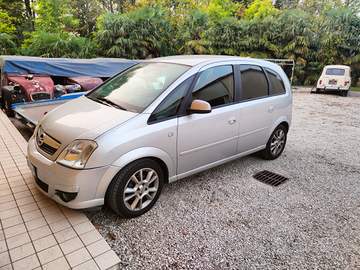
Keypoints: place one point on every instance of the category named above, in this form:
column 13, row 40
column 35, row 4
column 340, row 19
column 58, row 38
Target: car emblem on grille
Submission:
column 41, row 139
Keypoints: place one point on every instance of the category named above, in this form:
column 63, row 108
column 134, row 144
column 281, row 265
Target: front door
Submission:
column 207, row 138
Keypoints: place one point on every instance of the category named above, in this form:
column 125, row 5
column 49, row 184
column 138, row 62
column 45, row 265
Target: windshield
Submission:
column 134, row 89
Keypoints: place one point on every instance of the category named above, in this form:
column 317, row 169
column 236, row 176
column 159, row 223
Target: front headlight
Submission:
column 76, row 154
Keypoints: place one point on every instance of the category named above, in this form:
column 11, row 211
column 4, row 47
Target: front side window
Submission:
column 215, row 85
column 335, row 71
column 254, row 82
column 171, row 104
column 276, row 81
column 137, row 87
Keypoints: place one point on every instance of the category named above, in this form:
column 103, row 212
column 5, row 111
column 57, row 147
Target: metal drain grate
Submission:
column 270, row 178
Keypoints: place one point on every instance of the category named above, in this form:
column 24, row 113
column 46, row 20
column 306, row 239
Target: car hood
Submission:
column 82, row 118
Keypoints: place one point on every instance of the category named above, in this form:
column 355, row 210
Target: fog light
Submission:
column 66, row 196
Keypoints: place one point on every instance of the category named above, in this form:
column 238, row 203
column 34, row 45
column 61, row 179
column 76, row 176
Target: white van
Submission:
column 335, row 77
column 157, row 122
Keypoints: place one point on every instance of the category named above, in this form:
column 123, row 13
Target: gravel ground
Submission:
column 224, row 219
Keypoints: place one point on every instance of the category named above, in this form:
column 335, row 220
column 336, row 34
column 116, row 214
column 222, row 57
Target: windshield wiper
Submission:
column 109, row 102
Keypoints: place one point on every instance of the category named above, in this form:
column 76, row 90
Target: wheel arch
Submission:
column 284, row 120
column 161, row 157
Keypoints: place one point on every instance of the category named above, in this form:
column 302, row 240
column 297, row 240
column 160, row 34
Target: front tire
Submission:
column 7, row 106
column 136, row 188
column 276, row 143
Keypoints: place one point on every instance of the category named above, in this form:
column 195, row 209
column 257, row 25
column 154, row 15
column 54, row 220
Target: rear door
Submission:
column 262, row 99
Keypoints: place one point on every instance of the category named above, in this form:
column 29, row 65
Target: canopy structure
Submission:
column 65, row 67
column 285, row 62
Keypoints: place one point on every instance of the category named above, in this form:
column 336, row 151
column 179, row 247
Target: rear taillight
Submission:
column 346, row 83
column 320, row 82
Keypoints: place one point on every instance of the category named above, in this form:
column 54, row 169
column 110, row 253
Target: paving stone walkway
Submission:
column 35, row 231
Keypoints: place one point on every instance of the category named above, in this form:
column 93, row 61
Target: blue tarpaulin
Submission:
column 65, row 67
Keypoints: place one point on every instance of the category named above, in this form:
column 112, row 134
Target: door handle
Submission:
column 232, row 120
column 271, row 109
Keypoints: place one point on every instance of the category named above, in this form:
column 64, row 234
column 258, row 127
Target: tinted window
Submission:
column 215, row 85
column 335, row 71
column 171, row 105
column 276, row 82
column 254, row 83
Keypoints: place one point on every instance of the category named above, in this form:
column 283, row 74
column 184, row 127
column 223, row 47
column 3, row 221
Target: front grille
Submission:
column 40, row 96
column 46, row 143
column 42, row 185
column 47, row 149
column 270, row 178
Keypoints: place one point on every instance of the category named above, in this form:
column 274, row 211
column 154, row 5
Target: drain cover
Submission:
column 270, row 178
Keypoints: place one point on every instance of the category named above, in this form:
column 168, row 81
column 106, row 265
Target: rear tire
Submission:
column 136, row 188
column 345, row 93
column 276, row 143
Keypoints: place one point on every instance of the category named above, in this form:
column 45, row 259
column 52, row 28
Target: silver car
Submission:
column 157, row 122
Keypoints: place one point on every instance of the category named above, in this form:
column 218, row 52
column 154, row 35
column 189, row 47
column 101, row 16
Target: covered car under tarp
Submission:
column 28, row 79
column 65, row 67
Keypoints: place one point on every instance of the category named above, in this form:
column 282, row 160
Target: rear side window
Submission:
column 215, row 85
column 254, row 82
column 276, row 82
column 335, row 71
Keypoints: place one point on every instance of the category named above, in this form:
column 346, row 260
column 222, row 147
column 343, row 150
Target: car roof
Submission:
column 193, row 60
column 337, row 66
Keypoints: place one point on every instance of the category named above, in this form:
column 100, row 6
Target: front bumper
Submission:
column 55, row 180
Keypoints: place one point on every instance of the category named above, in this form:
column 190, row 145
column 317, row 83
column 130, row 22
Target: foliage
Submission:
column 260, row 9
column 6, row 25
column 59, row 44
column 191, row 35
column 7, row 45
column 152, row 29
column 86, row 13
column 141, row 34
column 54, row 16
column 113, row 37
column 313, row 33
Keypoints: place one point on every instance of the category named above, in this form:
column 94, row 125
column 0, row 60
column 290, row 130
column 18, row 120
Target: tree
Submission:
column 259, row 38
column 340, row 36
column 54, row 16
column 113, row 37
column 6, row 25
column 260, row 9
column 191, row 33
column 152, row 30
column 218, row 9
column 297, row 40
column 86, row 13
column 7, row 46
column 225, row 36
column 142, row 34
column 286, row 4
column 60, row 44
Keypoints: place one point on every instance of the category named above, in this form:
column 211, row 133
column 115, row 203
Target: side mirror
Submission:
column 199, row 106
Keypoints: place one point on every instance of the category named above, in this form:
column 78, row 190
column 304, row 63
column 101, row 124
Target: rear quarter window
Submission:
column 276, row 82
